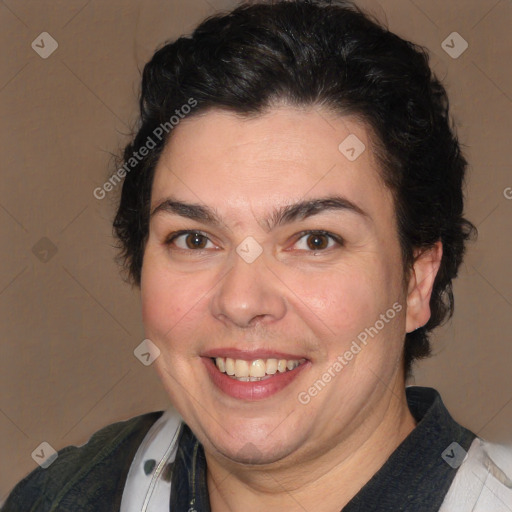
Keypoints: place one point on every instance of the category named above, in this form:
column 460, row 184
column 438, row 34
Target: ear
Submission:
column 421, row 281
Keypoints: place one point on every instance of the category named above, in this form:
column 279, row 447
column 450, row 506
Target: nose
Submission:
column 249, row 294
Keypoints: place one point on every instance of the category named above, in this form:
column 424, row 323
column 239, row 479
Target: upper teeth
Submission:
column 255, row 368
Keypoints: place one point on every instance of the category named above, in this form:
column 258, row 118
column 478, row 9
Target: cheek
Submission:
column 164, row 299
column 173, row 305
column 347, row 300
column 334, row 304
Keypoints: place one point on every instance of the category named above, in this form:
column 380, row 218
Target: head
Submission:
column 250, row 115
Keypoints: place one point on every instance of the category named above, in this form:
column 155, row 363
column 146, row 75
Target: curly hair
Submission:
column 315, row 53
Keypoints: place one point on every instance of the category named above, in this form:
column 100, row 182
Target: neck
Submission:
column 325, row 483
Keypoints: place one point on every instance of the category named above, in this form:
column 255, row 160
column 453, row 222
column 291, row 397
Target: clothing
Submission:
column 89, row 478
column 148, row 485
column 482, row 483
column 427, row 472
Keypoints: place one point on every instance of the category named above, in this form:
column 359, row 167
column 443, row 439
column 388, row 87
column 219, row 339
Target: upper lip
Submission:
column 250, row 355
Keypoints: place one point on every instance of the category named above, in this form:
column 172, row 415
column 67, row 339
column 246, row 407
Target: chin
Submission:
column 251, row 454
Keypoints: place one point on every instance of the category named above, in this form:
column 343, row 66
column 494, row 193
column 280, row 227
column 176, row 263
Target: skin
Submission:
column 277, row 452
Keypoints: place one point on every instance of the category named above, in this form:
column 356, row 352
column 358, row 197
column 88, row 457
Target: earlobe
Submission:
column 420, row 285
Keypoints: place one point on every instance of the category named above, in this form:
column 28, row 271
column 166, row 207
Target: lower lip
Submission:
column 257, row 390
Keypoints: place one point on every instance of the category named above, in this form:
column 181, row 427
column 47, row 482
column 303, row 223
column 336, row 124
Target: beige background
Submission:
column 69, row 325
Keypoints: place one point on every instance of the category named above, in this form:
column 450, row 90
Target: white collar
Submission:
column 148, row 485
column 482, row 482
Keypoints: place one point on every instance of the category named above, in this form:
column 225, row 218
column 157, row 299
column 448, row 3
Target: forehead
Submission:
column 285, row 155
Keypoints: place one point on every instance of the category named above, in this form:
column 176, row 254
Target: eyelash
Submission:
column 173, row 236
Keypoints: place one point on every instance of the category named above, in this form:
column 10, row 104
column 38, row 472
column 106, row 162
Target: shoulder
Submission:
column 86, row 477
column 483, row 481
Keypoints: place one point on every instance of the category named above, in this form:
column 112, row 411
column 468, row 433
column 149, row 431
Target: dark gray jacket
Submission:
column 89, row 478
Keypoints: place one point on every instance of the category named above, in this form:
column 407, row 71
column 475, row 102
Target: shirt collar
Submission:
column 416, row 476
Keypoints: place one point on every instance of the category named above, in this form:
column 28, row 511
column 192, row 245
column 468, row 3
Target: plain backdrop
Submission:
column 70, row 325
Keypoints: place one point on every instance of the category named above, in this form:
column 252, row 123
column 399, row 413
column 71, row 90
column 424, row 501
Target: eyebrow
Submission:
column 280, row 216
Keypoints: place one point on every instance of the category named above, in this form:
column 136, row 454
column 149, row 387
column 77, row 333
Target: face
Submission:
column 267, row 244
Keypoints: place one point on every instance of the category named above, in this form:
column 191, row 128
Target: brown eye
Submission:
column 196, row 241
column 317, row 241
column 190, row 240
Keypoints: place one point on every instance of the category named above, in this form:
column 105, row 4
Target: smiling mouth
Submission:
column 255, row 370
